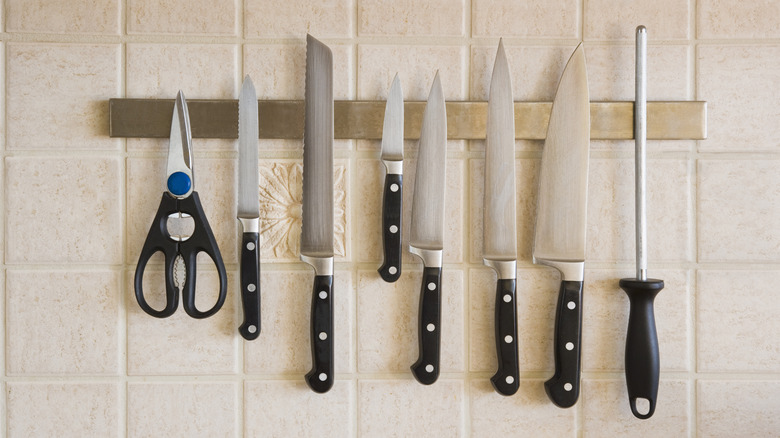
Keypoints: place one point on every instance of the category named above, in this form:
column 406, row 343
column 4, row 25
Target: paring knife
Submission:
column 500, row 222
column 427, row 230
column 392, row 200
column 317, row 228
column 642, row 356
column 249, row 209
column 559, row 239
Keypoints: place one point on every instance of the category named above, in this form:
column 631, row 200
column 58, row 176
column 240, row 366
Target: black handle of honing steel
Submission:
column 250, row 285
column 642, row 356
column 392, row 205
column 426, row 369
column 506, row 379
column 564, row 387
column 320, row 378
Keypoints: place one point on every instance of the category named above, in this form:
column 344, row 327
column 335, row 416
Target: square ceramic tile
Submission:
column 274, row 409
column 614, row 20
column 56, row 95
column 182, row 409
column 736, row 19
column 736, row 81
column 526, row 185
column 294, row 18
column 605, row 321
column 411, row 18
column 388, row 320
column 202, row 17
column 728, row 406
column 611, row 234
column 179, row 344
column 371, row 176
column 73, row 203
column 64, row 409
column 531, row 19
column 606, row 410
column 62, row 322
column 286, row 320
column 281, row 198
column 200, row 71
column 738, row 210
column 404, row 408
column 215, row 181
column 528, row 412
column 72, row 17
column 537, row 291
column 735, row 315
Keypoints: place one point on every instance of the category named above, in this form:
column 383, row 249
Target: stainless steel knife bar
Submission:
column 362, row 120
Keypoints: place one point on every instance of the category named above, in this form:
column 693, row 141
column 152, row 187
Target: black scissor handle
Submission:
column 158, row 241
column 202, row 240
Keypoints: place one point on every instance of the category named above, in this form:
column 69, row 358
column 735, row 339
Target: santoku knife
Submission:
column 642, row 356
column 561, row 215
column 249, row 209
column 500, row 222
column 317, row 228
column 427, row 230
column 392, row 200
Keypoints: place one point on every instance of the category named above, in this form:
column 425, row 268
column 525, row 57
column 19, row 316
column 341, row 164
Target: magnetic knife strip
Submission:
column 283, row 119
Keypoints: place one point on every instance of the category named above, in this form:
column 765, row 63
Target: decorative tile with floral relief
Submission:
column 281, row 197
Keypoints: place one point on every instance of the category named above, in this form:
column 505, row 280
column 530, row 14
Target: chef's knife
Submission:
column 642, row 356
column 427, row 230
column 249, row 209
column 317, row 228
column 500, row 222
column 559, row 239
column 392, row 200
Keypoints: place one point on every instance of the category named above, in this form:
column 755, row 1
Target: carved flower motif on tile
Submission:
column 281, row 195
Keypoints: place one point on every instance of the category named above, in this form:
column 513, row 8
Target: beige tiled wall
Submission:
column 80, row 358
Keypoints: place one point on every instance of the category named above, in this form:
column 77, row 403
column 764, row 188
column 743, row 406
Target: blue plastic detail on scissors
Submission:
column 179, row 183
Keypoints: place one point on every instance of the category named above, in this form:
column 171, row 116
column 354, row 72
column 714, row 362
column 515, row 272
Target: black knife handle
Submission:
column 564, row 387
column 392, row 205
column 506, row 379
column 250, row 285
column 320, row 378
column 642, row 357
column 426, row 369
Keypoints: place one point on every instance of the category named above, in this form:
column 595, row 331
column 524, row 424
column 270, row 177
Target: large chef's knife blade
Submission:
column 392, row 200
column 561, row 212
column 500, row 222
column 249, row 209
column 427, row 230
column 317, row 229
column 642, row 356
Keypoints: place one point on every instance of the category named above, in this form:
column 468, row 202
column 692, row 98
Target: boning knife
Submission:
column 392, row 200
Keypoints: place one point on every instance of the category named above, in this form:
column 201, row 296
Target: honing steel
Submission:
column 392, row 200
column 180, row 203
column 427, row 231
column 317, row 228
column 500, row 222
column 249, row 209
column 561, row 215
column 642, row 357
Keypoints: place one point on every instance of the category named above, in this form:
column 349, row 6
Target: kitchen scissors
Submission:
column 179, row 200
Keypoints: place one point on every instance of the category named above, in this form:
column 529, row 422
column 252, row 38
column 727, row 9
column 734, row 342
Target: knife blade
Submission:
column 500, row 222
column 427, row 230
column 392, row 199
column 642, row 355
column 249, row 209
column 559, row 239
column 317, row 210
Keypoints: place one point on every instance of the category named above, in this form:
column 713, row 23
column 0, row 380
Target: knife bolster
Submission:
column 250, row 224
column 506, row 269
column 394, row 167
column 431, row 258
column 322, row 265
column 570, row 271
